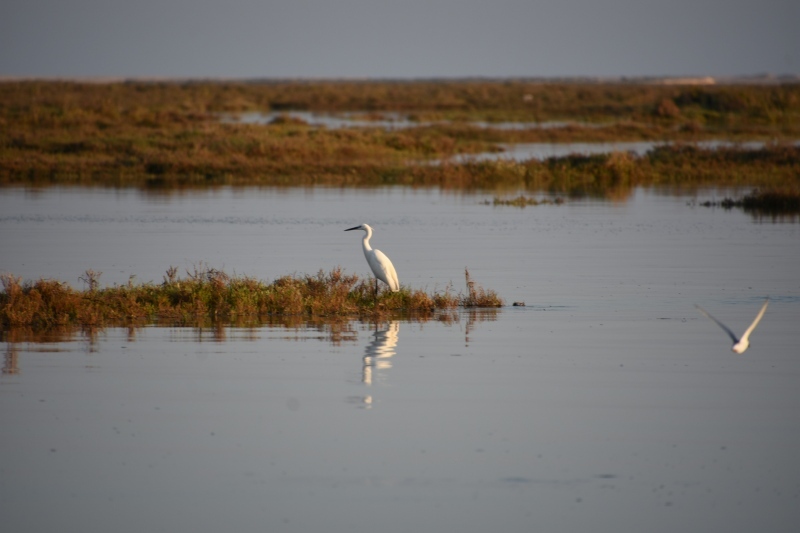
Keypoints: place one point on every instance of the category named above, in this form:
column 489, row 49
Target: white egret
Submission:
column 378, row 262
column 739, row 345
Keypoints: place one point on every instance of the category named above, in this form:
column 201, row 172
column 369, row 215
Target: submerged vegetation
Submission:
column 170, row 134
column 210, row 294
column 524, row 201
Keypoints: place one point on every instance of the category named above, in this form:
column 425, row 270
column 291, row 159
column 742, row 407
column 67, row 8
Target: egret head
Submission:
column 364, row 227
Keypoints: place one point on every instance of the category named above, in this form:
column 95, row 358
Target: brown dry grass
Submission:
column 168, row 134
column 210, row 294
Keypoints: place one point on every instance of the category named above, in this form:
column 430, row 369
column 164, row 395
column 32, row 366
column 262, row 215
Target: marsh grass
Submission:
column 168, row 135
column 477, row 296
column 210, row 294
column 454, row 100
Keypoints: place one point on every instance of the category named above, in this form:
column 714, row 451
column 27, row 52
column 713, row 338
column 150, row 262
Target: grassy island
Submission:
column 212, row 294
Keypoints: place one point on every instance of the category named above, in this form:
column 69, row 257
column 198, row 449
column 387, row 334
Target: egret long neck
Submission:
column 365, row 241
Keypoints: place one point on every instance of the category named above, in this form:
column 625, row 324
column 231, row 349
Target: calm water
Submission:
column 517, row 152
column 607, row 404
column 541, row 151
column 385, row 119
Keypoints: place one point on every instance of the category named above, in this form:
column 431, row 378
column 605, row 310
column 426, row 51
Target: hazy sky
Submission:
column 400, row 39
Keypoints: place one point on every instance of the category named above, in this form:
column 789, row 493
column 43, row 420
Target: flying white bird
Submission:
column 378, row 262
column 739, row 345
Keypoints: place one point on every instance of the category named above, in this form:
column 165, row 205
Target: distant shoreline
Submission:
column 756, row 79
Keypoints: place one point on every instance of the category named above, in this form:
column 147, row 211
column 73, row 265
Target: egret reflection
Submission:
column 379, row 352
column 377, row 357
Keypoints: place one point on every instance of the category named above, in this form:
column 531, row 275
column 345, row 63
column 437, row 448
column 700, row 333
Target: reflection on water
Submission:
column 54, row 336
column 198, row 329
column 48, row 340
column 335, row 332
column 379, row 351
column 215, row 332
column 11, row 359
column 474, row 316
column 378, row 354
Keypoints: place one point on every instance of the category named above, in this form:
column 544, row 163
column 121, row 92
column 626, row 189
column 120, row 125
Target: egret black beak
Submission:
column 351, row 229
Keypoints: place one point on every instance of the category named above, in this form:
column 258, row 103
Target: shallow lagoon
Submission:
column 607, row 403
column 385, row 120
column 507, row 151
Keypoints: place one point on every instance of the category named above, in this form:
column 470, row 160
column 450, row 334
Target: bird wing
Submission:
column 720, row 324
column 387, row 269
column 749, row 330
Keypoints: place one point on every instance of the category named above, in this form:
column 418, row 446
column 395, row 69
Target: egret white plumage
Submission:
column 739, row 345
column 377, row 260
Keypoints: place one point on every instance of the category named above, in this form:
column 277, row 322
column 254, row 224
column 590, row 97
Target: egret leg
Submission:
column 376, row 292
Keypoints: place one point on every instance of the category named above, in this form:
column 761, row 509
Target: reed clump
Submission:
column 477, row 296
column 211, row 294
